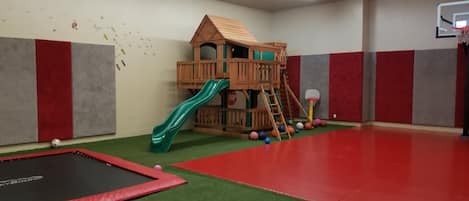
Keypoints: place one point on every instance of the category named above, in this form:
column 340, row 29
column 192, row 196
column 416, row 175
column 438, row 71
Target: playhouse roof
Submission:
column 215, row 28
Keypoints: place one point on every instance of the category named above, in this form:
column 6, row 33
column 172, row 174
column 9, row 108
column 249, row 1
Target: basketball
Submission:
column 308, row 125
column 274, row 133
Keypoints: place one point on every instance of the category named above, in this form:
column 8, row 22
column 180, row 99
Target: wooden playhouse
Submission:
column 224, row 49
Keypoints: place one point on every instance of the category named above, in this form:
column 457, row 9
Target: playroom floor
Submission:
column 188, row 146
column 356, row 164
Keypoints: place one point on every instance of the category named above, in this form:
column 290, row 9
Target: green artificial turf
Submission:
column 188, row 146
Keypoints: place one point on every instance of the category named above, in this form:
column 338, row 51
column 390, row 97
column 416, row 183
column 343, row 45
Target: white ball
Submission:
column 300, row 125
column 55, row 143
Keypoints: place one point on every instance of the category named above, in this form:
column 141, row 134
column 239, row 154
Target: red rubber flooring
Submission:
column 359, row 164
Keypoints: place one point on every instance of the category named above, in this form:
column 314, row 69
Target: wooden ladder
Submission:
column 275, row 111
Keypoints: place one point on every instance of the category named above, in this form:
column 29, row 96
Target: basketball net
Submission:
column 463, row 37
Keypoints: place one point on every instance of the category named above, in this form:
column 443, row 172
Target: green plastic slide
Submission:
column 164, row 133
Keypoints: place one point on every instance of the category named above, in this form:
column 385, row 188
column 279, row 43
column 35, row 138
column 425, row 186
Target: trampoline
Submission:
column 78, row 174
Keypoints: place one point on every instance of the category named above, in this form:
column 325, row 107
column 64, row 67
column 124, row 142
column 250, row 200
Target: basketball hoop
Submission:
column 463, row 36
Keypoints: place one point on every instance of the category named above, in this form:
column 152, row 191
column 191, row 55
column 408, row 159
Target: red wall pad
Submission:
column 394, row 86
column 460, row 78
column 345, row 86
column 54, row 90
column 293, row 70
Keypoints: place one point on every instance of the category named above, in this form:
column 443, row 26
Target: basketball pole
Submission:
column 466, row 92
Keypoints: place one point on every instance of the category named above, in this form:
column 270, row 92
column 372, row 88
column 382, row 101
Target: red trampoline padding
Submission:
column 162, row 180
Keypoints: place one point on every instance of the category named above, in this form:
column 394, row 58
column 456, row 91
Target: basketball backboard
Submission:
column 450, row 16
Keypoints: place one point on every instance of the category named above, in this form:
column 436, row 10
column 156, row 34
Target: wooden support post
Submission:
column 245, row 93
column 196, row 54
column 220, row 61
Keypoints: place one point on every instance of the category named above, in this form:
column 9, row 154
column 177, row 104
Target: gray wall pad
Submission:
column 434, row 87
column 314, row 74
column 369, row 85
column 94, row 99
column 18, row 98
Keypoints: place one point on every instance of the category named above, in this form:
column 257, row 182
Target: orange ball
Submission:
column 308, row 125
column 274, row 133
column 291, row 130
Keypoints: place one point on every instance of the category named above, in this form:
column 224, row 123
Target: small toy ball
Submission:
column 158, row 167
column 300, row 125
column 317, row 122
column 291, row 130
column 55, row 143
column 323, row 123
column 253, row 135
column 297, row 130
column 281, row 128
column 267, row 140
column 290, row 122
column 274, row 133
column 262, row 135
column 308, row 125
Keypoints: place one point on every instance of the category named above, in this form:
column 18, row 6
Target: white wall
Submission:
column 404, row 25
column 153, row 33
column 322, row 28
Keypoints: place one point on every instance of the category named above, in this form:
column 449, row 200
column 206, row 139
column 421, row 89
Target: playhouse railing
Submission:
column 251, row 74
column 243, row 73
column 212, row 117
column 192, row 75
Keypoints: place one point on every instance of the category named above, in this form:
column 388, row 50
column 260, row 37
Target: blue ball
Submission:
column 267, row 140
column 297, row 130
column 262, row 135
column 281, row 128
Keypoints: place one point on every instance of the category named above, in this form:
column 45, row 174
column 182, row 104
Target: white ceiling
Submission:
column 275, row 5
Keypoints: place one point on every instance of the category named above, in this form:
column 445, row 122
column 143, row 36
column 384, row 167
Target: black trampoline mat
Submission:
column 62, row 177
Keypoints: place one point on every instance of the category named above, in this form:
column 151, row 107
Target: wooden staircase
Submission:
column 272, row 105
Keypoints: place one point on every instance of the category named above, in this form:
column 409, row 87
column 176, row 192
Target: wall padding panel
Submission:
column 293, row 70
column 315, row 75
column 94, row 105
column 434, row 87
column 394, row 86
column 369, row 75
column 54, row 90
column 461, row 77
column 346, row 86
column 18, row 109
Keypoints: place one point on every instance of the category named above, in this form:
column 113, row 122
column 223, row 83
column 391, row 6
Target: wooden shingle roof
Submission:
column 228, row 29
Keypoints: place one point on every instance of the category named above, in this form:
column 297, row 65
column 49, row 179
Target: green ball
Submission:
column 290, row 122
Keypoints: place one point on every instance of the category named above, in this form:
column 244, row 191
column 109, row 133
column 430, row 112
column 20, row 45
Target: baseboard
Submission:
column 417, row 127
column 346, row 123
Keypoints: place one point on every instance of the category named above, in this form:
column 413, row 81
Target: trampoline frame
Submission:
column 162, row 180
